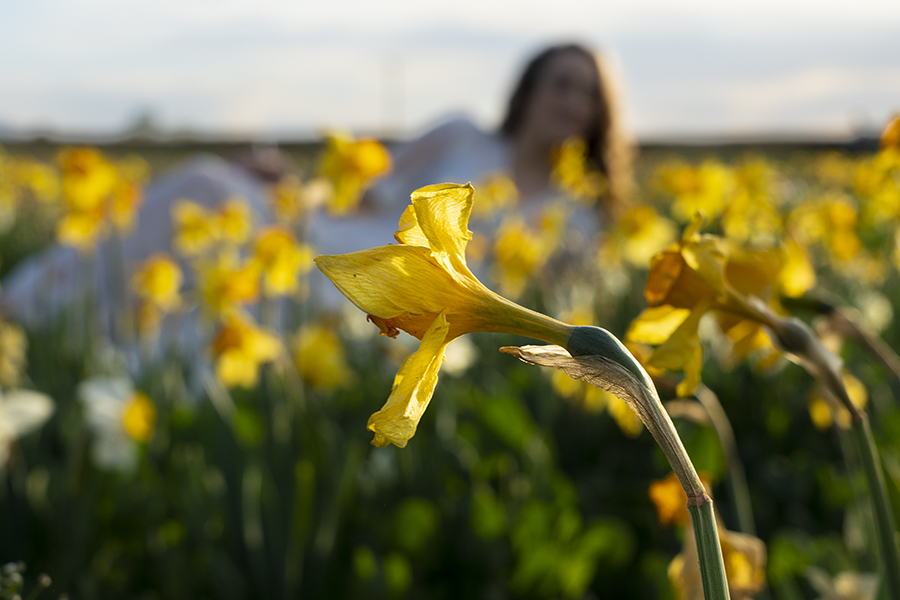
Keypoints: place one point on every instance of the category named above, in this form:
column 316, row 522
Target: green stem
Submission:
column 885, row 527
column 736, row 475
column 712, row 567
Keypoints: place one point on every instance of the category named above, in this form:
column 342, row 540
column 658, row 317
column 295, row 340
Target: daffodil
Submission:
column 321, row 358
column 228, row 282
column 119, row 417
column 706, row 188
column 281, row 259
column 21, row 412
column 235, row 220
column 825, row 410
column 424, row 287
column 95, row 193
column 158, row 281
column 240, row 348
column 13, row 347
column 349, row 165
column 698, row 274
column 196, row 227
column 573, row 173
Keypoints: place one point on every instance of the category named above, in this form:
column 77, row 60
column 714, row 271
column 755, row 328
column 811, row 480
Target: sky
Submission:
column 273, row 69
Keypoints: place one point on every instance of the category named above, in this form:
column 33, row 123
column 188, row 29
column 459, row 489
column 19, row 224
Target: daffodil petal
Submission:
column 678, row 350
column 397, row 420
column 408, row 230
column 656, row 324
column 442, row 213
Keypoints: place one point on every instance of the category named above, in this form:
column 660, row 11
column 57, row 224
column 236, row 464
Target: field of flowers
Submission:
column 199, row 429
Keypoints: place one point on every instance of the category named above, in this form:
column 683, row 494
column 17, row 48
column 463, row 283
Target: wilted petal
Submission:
column 413, row 387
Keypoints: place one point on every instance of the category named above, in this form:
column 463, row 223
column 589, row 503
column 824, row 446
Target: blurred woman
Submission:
column 562, row 93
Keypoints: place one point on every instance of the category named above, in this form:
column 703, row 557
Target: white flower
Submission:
column 21, row 412
column 118, row 416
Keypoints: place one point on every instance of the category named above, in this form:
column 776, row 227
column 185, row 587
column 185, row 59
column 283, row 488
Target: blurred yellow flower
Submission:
column 670, row 501
column 158, row 281
column 706, row 188
column 281, row 260
column 825, row 410
column 641, row 233
column 95, row 194
column 496, row 193
column 518, row 253
column 125, row 200
column 349, row 165
column 424, row 287
column 235, row 220
column 87, row 179
column 140, row 417
column 196, row 228
column 13, row 347
column 750, row 214
column 291, row 198
column 573, row 173
column 227, row 282
column 240, row 348
column 321, row 358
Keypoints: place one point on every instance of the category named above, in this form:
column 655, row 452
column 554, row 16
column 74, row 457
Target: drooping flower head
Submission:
column 423, row 286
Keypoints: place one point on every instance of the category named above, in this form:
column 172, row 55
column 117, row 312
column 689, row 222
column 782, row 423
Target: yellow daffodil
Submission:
column 825, row 410
column 705, row 188
column 13, row 347
column 281, row 260
column 518, row 253
column 573, row 173
column 424, row 287
column 290, row 198
column 196, row 227
column 235, row 221
column 87, row 179
column 496, row 193
column 240, row 348
column 158, row 281
column 698, row 274
column 321, row 358
column 228, row 282
column 641, row 233
column 349, row 165
column 750, row 214
column 125, row 201
column 95, row 194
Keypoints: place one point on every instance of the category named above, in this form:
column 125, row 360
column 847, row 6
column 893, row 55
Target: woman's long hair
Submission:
column 606, row 145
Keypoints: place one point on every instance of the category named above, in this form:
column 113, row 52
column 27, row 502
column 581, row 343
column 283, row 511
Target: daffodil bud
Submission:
column 596, row 341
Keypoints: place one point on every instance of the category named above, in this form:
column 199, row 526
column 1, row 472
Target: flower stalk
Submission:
column 611, row 367
column 795, row 337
